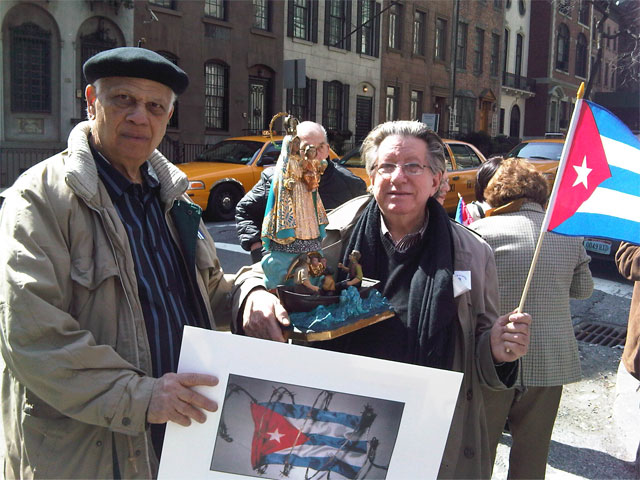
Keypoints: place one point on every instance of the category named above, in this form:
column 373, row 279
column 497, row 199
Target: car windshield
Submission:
column 537, row 150
column 231, row 151
column 352, row 158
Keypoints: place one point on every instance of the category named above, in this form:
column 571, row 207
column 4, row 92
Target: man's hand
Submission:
column 510, row 337
column 174, row 400
column 264, row 316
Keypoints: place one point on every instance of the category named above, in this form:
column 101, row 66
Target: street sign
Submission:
column 431, row 120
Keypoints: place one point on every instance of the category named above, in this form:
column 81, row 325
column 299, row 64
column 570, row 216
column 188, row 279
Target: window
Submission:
column 215, row 9
column 495, row 54
column 416, row 105
column 440, row 49
column 465, row 108
column 522, row 8
column 165, row 3
column 301, row 102
column 564, row 7
column 261, row 14
column 506, row 49
column 502, row 112
column 518, row 67
column 461, row 46
column 583, row 13
column 395, row 17
column 419, row 25
column 553, row 116
column 581, row 56
column 497, row 4
column 562, row 48
column 392, row 103
column 335, row 106
column 369, row 24
column 606, row 74
column 302, row 18
column 478, row 51
column 30, row 69
column 216, row 93
column 613, row 77
column 337, row 21
column 514, row 124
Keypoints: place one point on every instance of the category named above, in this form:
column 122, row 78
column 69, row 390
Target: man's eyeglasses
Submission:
column 388, row 169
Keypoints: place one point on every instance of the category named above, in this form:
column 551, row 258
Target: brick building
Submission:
column 233, row 54
column 558, row 61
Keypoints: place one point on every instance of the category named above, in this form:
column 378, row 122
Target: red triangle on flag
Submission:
column 585, row 169
column 272, row 432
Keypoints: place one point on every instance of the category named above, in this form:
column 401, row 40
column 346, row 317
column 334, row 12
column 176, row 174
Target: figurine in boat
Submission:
column 354, row 271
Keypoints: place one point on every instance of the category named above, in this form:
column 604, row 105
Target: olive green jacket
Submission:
column 77, row 381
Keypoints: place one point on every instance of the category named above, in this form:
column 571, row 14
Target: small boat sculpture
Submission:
column 318, row 317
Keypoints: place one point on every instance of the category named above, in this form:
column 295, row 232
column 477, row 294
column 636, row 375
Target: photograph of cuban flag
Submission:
column 277, row 430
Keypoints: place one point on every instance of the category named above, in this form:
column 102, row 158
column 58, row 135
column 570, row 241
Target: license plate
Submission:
column 598, row 246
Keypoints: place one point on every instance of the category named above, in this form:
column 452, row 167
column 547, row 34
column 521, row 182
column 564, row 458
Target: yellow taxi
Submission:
column 463, row 160
column 543, row 153
column 221, row 175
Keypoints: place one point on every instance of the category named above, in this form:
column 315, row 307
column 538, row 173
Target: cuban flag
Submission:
column 303, row 436
column 462, row 212
column 597, row 188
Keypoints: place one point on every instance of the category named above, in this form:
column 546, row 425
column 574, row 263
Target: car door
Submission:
column 463, row 162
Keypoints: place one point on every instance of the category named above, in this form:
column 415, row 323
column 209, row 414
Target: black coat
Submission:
column 337, row 185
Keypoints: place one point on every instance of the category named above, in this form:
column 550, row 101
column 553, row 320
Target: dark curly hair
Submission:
column 515, row 179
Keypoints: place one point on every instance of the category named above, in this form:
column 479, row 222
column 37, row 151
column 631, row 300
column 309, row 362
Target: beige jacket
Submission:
column 77, row 380
column 466, row 453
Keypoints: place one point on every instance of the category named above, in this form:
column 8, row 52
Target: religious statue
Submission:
column 295, row 216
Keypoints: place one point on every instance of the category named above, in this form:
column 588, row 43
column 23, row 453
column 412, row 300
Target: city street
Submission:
column 584, row 442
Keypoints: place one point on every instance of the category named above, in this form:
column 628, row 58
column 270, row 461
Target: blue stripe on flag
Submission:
column 335, row 442
column 610, row 126
column 304, row 411
column 623, row 181
column 316, row 463
column 598, row 225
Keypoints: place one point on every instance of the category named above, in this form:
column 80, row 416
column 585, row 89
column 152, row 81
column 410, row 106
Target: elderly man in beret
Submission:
column 105, row 261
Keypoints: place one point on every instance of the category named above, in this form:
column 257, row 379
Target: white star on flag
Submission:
column 275, row 435
column 583, row 172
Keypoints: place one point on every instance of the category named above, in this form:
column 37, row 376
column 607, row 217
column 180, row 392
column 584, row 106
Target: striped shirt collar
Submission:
column 117, row 183
column 410, row 239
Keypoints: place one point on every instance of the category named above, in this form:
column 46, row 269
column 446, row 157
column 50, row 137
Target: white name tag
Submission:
column 461, row 282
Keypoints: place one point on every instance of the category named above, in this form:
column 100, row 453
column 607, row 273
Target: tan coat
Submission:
column 77, row 381
column 562, row 272
column 466, row 453
column 628, row 262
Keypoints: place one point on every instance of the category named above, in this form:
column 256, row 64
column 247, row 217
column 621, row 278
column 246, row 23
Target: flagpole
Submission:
column 554, row 192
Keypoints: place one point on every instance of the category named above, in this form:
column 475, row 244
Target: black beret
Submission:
column 138, row 63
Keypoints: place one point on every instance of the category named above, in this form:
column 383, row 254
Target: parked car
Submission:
column 543, row 153
column 224, row 172
column 463, row 160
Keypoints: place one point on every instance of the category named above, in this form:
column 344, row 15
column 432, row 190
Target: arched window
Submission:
column 216, row 95
column 562, row 48
column 514, row 124
column 581, row 56
column 30, row 69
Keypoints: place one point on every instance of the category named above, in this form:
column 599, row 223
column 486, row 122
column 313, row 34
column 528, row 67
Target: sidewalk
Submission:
column 584, row 443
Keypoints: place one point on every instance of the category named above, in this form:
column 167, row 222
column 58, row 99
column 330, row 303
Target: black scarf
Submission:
column 432, row 312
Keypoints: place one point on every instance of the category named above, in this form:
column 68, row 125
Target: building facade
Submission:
column 516, row 86
column 339, row 42
column 233, row 54
column 558, row 61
